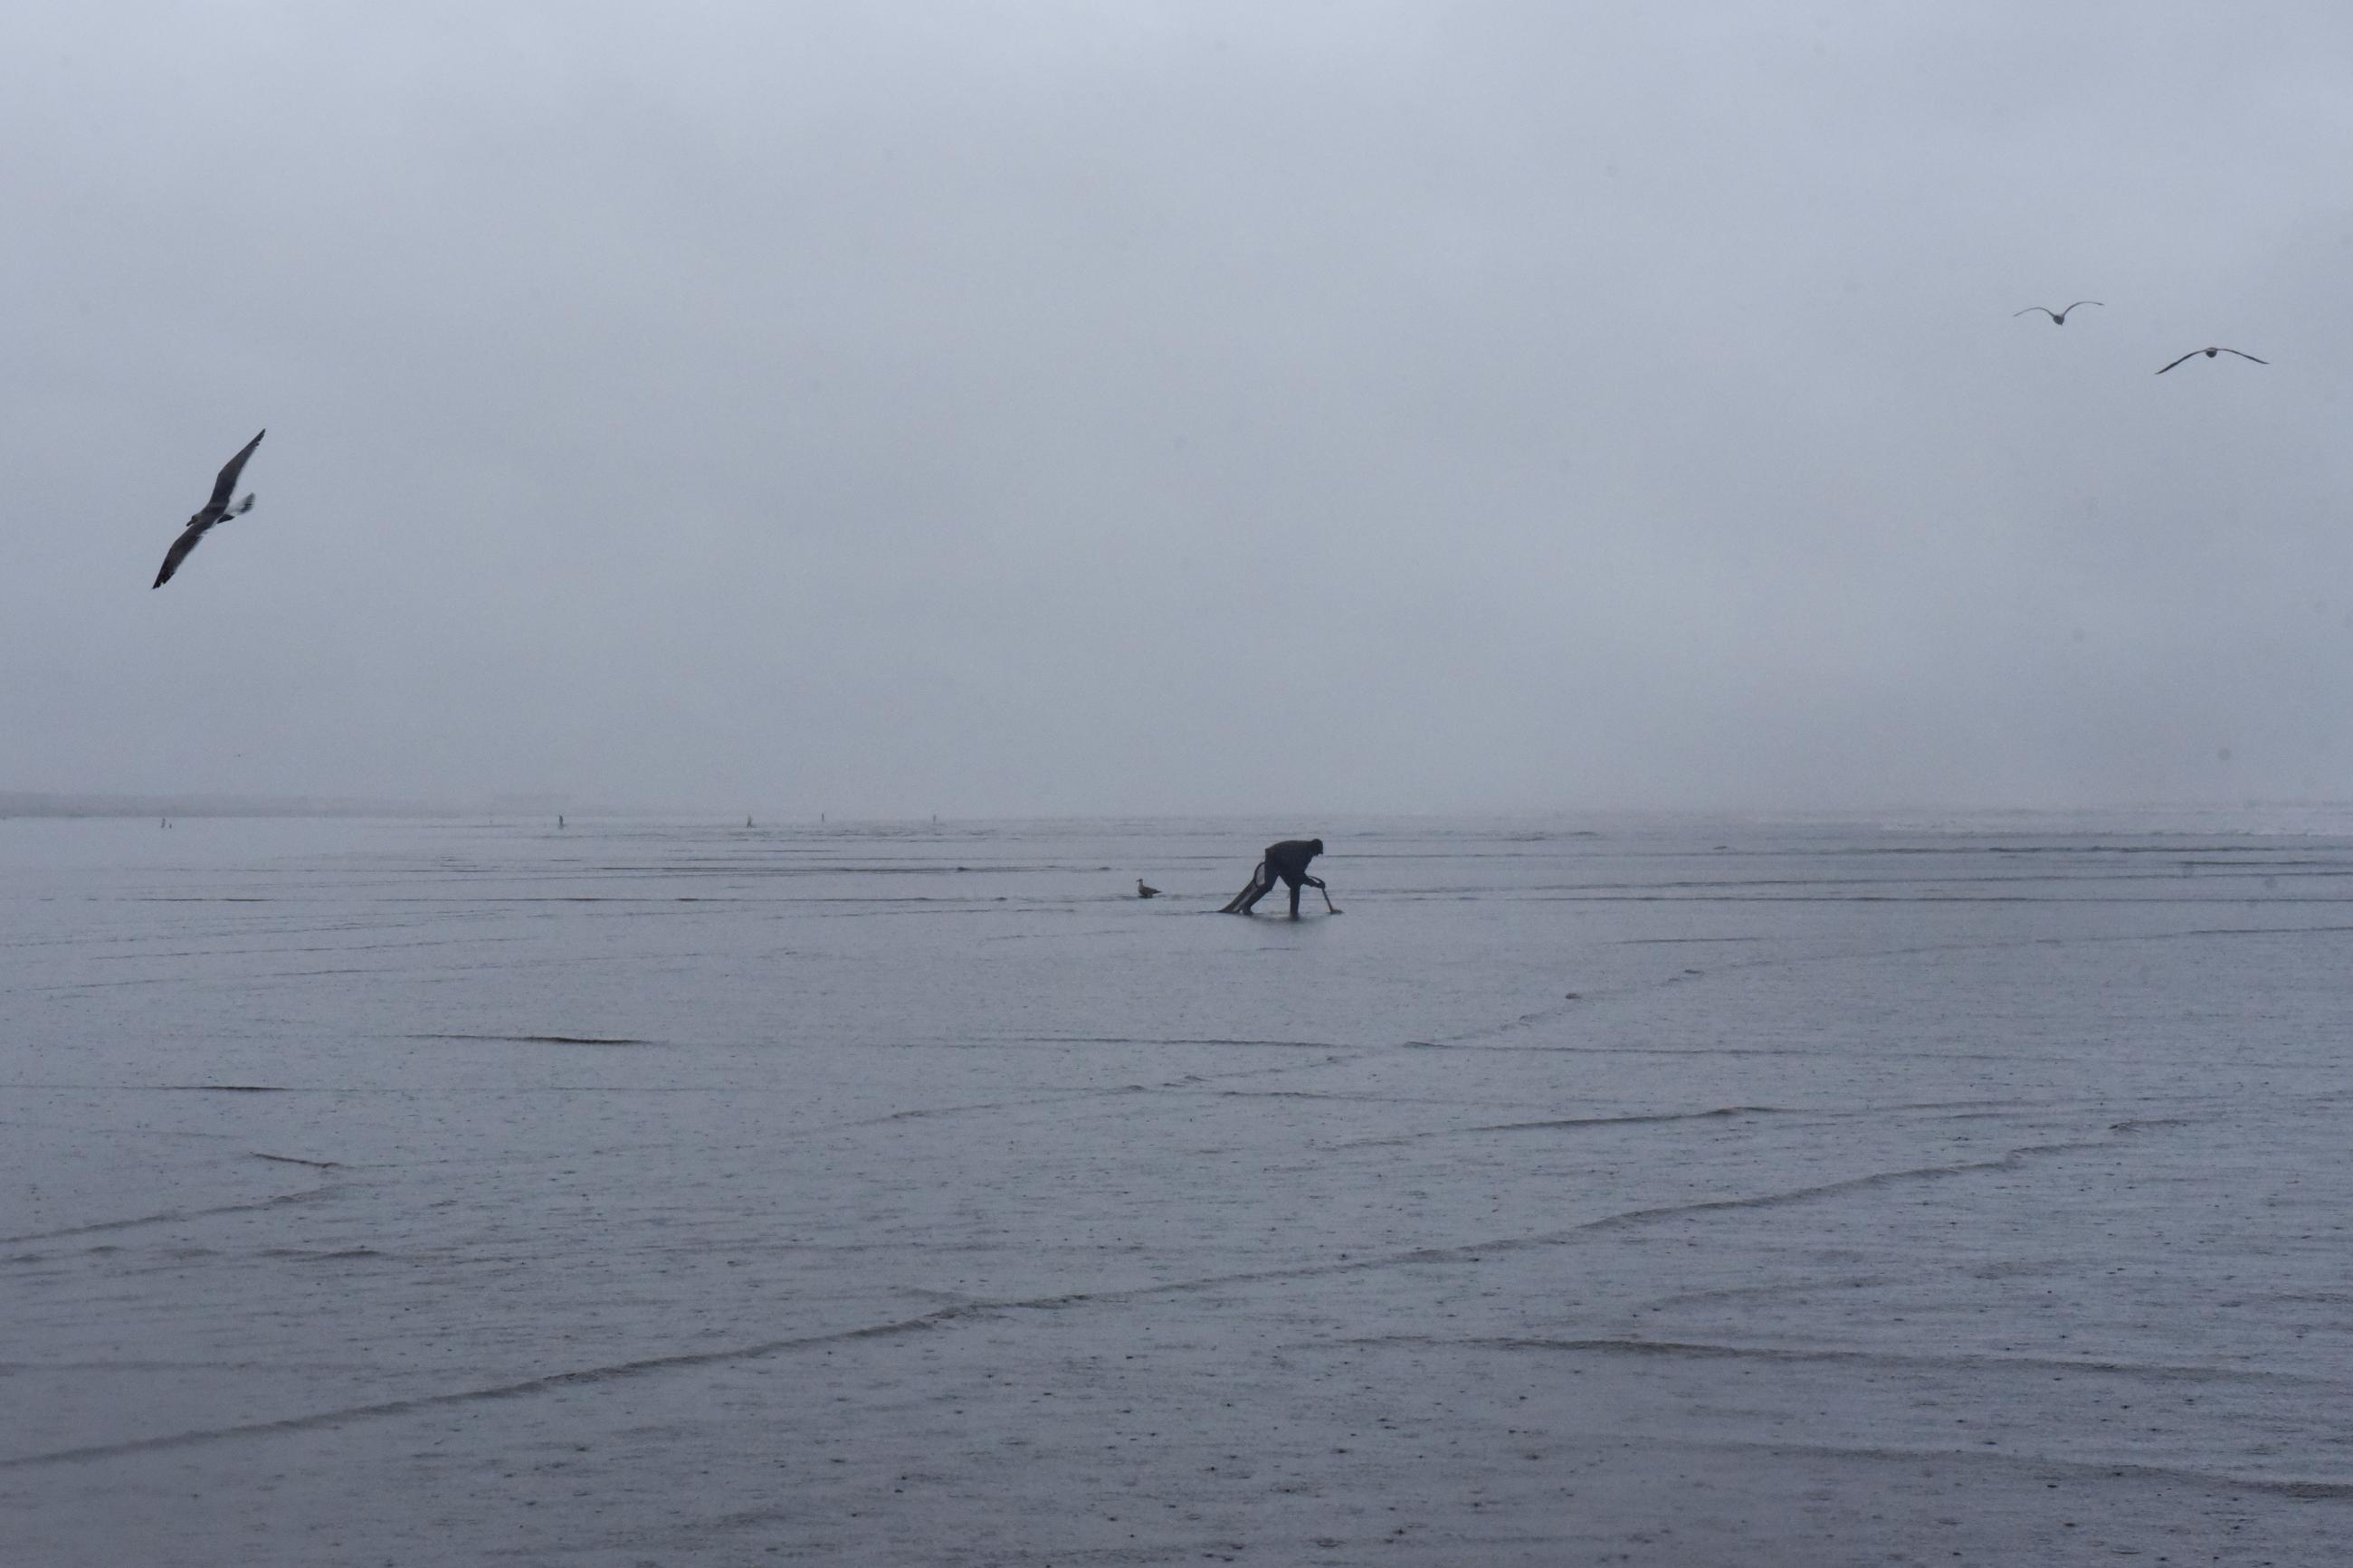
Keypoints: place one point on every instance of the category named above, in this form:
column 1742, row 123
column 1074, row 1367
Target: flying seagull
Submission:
column 1144, row 892
column 214, row 510
column 2058, row 318
column 2209, row 353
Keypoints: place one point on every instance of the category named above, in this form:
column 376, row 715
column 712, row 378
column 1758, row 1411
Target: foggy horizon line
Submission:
column 107, row 804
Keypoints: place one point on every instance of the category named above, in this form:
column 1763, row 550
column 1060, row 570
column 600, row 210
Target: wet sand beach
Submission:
column 1660, row 1192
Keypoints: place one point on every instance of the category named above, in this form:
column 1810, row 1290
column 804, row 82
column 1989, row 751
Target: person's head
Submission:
column 1315, row 845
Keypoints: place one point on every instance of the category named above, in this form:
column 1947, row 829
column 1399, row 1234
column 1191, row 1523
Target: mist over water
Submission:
column 1672, row 1188
column 1181, row 408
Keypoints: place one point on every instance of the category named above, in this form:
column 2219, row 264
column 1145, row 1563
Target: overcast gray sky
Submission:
column 1035, row 408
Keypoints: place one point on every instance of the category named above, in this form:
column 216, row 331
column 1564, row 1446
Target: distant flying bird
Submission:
column 2058, row 318
column 2209, row 353
column 1144, row 892
column 215, row 510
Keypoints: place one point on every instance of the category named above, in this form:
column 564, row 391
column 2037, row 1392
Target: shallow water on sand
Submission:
column 1660, row 1192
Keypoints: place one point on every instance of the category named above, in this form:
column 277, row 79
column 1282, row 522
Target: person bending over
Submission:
column 1288, row 862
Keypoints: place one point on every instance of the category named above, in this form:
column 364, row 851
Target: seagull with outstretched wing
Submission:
column 214, row 510
column 2209, row 353
column 2058, row 318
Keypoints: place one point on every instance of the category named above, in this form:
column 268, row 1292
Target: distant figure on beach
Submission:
column 2058, row 318
column 559, row 819
column 1144, row 892
column 1287, row 861
column 214, row 511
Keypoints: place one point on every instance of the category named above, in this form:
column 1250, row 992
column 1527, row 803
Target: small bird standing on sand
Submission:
column 214, row 510
column 2209, row 353
column 1144, row 892
column 2058, row 318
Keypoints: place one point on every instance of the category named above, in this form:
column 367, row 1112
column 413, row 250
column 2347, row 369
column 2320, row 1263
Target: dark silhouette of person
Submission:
column 1286, row 862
